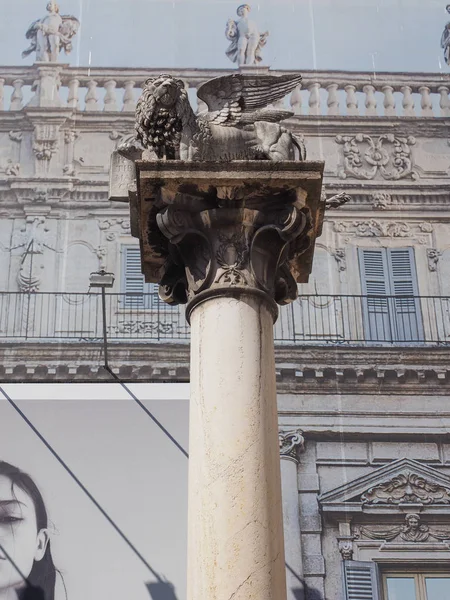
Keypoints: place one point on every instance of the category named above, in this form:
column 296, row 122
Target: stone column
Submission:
column 231, row 243
column 291, row 443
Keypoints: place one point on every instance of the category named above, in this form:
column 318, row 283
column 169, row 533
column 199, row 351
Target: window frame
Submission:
column 419, row 579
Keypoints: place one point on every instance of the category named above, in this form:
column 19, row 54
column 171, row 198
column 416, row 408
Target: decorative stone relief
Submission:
column 346, row 548
column 32, row 238
column 388, row 156
column 385, row 229
column 45, row 145
column 114, row 227
column 339, row 255
column 12, row 166
column 433, row 258
column 291, row 443
column 411, row 531
column 381, row 200
column 70, row 137
column 407, row 488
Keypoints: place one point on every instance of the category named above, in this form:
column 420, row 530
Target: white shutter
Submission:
column 360, row 580
column 133, row 283
column 375, row 282
column 403, row 282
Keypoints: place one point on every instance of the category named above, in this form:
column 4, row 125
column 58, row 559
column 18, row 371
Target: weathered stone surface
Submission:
column 233, row 214
column 246, row 40
column 51, row 34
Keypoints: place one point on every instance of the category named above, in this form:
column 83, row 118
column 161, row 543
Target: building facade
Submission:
column 363, row 356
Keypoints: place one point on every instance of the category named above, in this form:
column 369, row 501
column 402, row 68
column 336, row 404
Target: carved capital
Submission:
column 291, row 443
column 207, row 231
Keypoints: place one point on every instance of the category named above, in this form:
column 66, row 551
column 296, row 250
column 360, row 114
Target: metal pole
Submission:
column 105, row 341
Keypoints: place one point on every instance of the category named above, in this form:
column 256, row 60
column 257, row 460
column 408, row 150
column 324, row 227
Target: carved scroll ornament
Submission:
column 291, row 442
column 365, row 157
column 407, row 488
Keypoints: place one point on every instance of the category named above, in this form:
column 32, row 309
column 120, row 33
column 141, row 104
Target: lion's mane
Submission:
column 160, row 127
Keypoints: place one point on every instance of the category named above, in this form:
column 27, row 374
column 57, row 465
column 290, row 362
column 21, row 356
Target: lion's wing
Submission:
column 232, row 98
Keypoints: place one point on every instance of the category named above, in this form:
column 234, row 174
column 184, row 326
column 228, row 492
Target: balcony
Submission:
column 332, row 320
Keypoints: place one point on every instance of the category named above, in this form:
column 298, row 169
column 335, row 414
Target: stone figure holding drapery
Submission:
column 51, row 34
column 445, row 40
column 246, row 41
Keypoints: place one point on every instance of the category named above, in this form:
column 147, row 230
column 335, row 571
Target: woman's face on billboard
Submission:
column 19, row 537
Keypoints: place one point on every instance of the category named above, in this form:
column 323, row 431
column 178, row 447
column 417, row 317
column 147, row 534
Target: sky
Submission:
column 369, row 35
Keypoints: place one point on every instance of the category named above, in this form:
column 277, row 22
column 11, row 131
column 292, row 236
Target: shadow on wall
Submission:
column 311, row 593
column 161, row 590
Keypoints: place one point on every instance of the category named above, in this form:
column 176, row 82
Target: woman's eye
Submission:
column 9, row 520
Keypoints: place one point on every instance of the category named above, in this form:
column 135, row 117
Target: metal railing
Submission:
column 312, row 319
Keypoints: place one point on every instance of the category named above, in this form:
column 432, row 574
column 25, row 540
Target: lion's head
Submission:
column 162, row 112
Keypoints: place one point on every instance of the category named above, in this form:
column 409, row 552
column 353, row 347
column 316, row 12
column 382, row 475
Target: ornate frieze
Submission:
column 114, row 227
column 413, row 530
column 407, row 488
column 384, row 229
column 291, row 443
column 366, row 157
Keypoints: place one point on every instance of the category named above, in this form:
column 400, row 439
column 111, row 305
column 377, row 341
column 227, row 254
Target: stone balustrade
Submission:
column 323, row 93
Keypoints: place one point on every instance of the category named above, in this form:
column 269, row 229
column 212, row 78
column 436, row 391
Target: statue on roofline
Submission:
column 239, row 124
column 246, row 41
column 51, row 34
column 445, row 40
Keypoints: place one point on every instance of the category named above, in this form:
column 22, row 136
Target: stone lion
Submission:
column 239, row 124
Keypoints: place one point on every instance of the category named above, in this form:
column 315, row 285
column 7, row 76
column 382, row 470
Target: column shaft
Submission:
column 235, row 523
column 292, row 533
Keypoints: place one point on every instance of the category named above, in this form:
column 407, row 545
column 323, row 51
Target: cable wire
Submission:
column 145, row 409
column 79, row 483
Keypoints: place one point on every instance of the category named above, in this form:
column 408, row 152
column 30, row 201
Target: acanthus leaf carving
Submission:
column 407, row 488
column 291, row 443
column 365, row 157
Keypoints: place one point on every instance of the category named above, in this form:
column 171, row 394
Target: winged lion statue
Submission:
column 240, row 123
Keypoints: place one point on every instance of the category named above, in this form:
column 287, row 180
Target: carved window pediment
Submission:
column 401, row 483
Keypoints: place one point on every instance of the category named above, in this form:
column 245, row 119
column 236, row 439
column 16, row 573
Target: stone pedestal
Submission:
column 231, row 240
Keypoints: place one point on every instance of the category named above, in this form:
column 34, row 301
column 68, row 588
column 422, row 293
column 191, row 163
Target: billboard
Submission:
column 132, row 543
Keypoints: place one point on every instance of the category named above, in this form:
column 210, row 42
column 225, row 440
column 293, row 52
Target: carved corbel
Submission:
column 433, row 256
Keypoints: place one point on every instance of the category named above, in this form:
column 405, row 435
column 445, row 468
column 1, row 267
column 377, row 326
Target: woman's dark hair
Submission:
column 42, row 578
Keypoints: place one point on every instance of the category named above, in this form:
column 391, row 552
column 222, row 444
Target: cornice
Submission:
column 300, row 369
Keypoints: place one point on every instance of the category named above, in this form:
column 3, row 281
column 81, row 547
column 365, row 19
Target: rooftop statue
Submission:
column 239, row 124
column 51, row 34
column 246, row 41
column 445, row 40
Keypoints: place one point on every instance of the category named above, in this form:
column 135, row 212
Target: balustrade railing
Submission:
column 311, row 319
column 322, row 93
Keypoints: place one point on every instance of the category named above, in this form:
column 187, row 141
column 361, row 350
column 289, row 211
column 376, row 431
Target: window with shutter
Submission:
column 390, row 274
column 360, row 580
column 138, row 294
